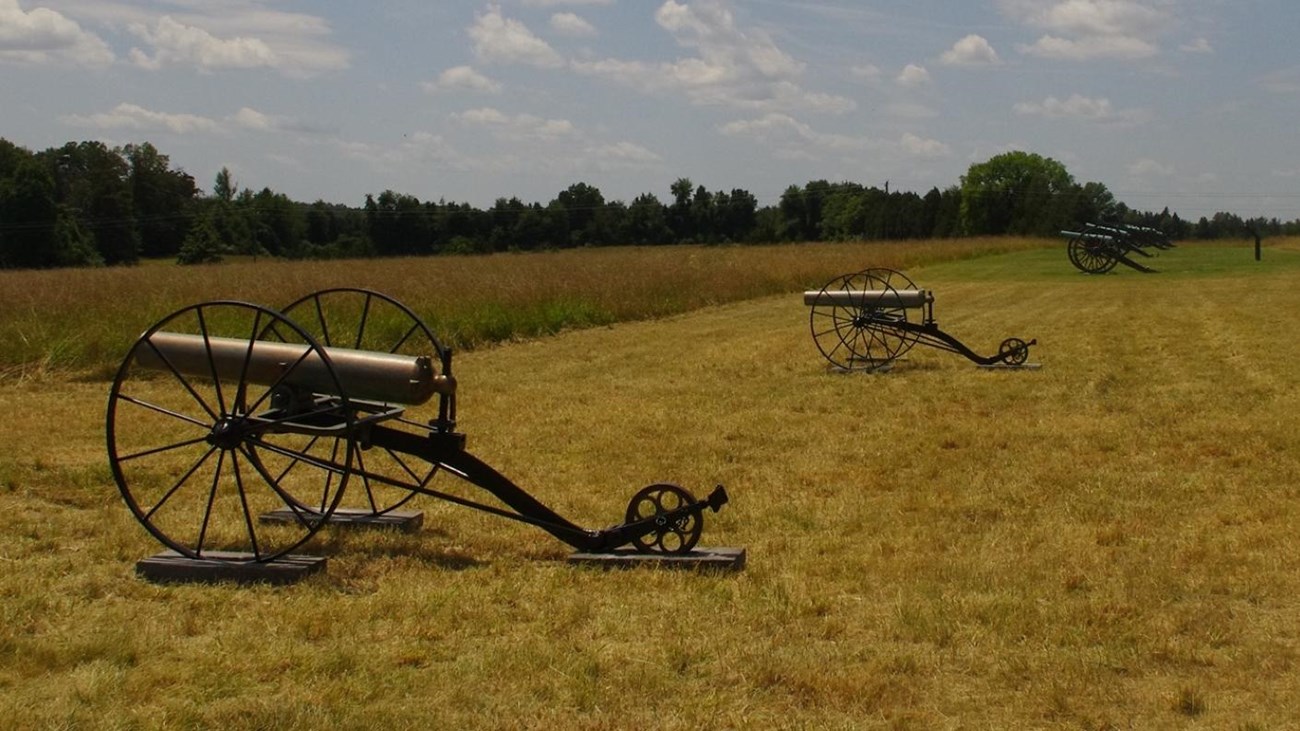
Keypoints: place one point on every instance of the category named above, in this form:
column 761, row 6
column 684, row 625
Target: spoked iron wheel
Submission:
column 1091, row 256
column 362, row 319
column 672, row 536
column 200, row 451
column 859, row 331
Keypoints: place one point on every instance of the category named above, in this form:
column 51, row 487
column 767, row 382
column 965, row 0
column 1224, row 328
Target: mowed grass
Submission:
column 1107, row 542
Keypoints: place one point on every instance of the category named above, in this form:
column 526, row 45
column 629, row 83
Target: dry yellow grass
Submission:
column 1105, row 543
column 85, row 319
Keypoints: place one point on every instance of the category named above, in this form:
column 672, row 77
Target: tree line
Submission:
column 86, row 204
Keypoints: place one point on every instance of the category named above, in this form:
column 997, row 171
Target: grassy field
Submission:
column 1102, row 543
column 86, row 319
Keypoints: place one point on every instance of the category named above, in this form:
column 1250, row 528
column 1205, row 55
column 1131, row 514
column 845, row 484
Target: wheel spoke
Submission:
column 159, row 450
column 177, row 485
column 164, row 411
column 243, row 504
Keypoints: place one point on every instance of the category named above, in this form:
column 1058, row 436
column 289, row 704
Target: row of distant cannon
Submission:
column 1098, row 248
column 866, row 320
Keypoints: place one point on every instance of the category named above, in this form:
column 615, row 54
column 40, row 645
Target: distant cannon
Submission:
column 236, row 432
column 1098, row 248
column 868, row 319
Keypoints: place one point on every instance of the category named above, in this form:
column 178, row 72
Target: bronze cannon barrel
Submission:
column 887, row 298
column 362, row 374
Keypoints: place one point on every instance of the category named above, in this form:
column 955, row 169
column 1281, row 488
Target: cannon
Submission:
column 236, row 432
column 1098, row 248
column 868, row 319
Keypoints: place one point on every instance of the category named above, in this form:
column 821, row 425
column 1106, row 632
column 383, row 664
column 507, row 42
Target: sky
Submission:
column 1191, row 105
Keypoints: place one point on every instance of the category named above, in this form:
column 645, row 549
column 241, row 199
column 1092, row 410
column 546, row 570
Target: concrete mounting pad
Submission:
column 1005, row 367
column 704, row 559
column 885, row 367
column 407, row 521
column 172, row 567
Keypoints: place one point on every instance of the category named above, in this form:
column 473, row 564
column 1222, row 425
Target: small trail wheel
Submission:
column 363, row 319
column 199, row 450
column 673, row 536
column 1013, row 351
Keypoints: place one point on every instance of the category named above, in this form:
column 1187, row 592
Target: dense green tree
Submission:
column 36, row 232
column 581, row 202
column 10, row 156
column 279, row 224
column 1016, row 192
column 162, row 199
column 1094, row 202
column 224, row 187
column 736, row 214
column 647, row 221
column 943, row 212
column 94, row 183
column 397, row 224
column 203, row 244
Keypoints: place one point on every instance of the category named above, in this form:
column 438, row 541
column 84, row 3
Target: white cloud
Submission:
column 572, row 25
column 231, row 35
column 973, row 50
column 1083, row 30
column 253, row 119
column 1283, row 81
column 628, row 151
column 518, row 127
column 1081, row 107
column 1197, row 45
column 504, row 40
column 1148, row 168
column 462, row 78
column 731, row 66
column 867, row 71
column 45, row 36
column 618, row 156
column 922, row 147
column 175, row 44
column 793, row 136
column 1088, row 49
column 136, row 118
column 714, row 85
column 1091, row 17
column 248, row 118
column 126, row 116
column 913, row 75
column 909, row 110
column 560, row 3
column 416, row 149
column 711, row 29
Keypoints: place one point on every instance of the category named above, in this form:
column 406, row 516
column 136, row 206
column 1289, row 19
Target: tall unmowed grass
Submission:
column 86, row 319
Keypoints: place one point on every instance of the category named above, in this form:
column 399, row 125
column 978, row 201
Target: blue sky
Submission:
column 1187, row 104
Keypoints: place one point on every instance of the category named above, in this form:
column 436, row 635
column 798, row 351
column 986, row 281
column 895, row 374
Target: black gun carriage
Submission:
column 1099, row 248
column 868, row 319
column 236, row 432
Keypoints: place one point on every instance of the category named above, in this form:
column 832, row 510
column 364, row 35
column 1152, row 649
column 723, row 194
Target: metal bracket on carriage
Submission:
column 234, row 431
column 867, row 320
